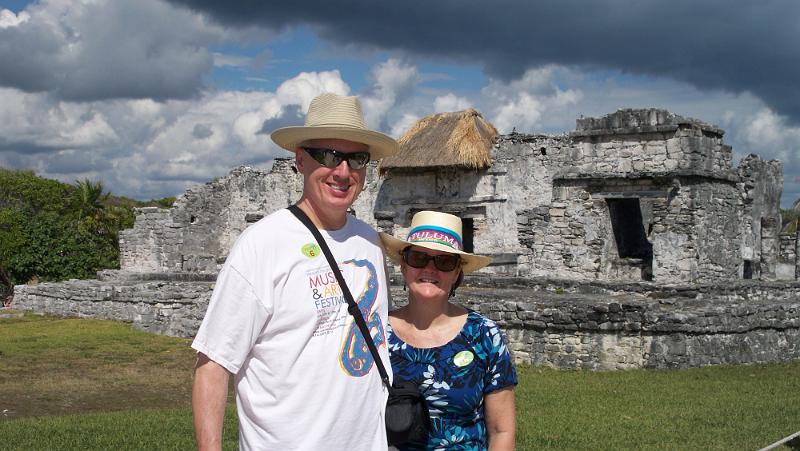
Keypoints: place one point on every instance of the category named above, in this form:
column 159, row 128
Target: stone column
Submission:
column 770, row 248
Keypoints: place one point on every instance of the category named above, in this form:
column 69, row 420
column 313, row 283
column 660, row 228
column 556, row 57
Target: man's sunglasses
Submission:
column 419, row 260
column 331, row 158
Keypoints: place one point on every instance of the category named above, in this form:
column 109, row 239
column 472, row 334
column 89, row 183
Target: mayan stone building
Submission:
column 630, row 242
column 632, row 196
column 637, row 195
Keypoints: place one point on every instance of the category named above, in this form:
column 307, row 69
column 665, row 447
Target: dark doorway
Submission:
column 626, row 221
column 468, row 232
column 629, row 232
column 747, row 269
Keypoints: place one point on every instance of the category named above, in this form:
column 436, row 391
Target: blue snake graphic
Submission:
column 355, row 356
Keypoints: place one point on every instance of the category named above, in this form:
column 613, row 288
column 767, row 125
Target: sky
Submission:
column 153, row 96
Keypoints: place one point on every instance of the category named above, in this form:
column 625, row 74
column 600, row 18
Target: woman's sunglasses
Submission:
column 331, row 158
column 419, row 260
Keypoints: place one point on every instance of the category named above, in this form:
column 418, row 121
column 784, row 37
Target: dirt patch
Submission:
column 60, row 367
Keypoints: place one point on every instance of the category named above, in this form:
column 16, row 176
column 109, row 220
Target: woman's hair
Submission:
column 457, row 283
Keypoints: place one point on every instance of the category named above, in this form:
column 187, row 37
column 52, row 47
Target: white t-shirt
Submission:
column 278, row 320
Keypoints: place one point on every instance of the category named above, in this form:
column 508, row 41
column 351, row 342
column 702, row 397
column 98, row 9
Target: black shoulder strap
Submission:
column 352, row 307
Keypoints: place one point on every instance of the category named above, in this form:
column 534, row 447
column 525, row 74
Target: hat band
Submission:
column 438, row 235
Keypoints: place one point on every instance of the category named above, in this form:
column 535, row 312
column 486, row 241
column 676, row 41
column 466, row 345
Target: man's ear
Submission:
column 298, row 159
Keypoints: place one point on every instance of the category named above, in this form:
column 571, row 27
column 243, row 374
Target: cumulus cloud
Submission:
column 301, row 89
column 450, row 102
column 39, row 122
column 143, row 148
column 767, row 133
column 521, row 103
column 9, row 19
column 155, row 147
column 392, row 83
column 403, row 124
column 767, row 129
column 104, row 49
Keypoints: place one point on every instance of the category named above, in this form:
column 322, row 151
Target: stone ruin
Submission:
column 638, row 195
column 630, row 242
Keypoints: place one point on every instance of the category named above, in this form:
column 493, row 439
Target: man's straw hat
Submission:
column 438, row 231
column 337, row 117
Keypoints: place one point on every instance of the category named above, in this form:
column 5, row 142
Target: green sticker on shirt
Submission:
column 310, row 250
column 463, row 358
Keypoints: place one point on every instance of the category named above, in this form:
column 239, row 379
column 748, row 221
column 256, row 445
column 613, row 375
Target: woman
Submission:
column 456, row 356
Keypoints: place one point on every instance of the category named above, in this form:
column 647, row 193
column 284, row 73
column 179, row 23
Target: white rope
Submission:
column 784, row 441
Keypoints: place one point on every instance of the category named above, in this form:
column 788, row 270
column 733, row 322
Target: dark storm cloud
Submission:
column 25, row 148
column 162, row 176
column 732, row 45
column 202, row 131
column 72, row 162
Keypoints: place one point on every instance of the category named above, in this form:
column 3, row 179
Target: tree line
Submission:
column 51, row 231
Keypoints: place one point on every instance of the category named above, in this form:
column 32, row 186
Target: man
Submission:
column 277, row 319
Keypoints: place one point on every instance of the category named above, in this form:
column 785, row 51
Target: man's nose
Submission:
column 343, row 170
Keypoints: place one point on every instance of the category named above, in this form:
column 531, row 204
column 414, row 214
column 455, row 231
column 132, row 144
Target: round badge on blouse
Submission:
column 463, row 358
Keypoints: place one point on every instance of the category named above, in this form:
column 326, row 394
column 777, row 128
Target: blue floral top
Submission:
column 454, row 379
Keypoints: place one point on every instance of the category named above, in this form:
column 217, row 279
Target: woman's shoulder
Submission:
column 483, row 330
column 476, row 319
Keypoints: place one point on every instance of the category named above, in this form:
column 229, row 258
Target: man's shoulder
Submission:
column 272, row 224
column 356, row 228
column 360, row 225
column 272, row 230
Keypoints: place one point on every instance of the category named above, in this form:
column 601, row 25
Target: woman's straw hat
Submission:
column 438, row 231
column 331, row 116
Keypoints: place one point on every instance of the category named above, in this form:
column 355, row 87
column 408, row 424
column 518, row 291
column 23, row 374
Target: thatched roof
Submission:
column 463, row 138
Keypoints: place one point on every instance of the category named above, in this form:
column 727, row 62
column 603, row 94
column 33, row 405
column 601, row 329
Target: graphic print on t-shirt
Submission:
column 355, row 356
column 327, row 298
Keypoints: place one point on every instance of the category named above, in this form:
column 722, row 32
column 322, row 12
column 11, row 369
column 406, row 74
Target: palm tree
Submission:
column 90, row 197
column 91, row 200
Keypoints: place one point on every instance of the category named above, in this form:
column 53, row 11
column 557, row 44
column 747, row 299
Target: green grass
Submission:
column 87, row 384
column 744, row 407
column 137, row 429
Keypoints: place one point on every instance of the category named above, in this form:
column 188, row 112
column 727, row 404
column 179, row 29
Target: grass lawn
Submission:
column 87, row 384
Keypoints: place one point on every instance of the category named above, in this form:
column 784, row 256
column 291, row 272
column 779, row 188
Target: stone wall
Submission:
column 154, row 242
column 213, row 215
column 601, row 326
column 717, row 234
column 647, row 141
column 197, row 233
column 760, row 188
column 557, row 323
column 787, row 268
column 163, row 303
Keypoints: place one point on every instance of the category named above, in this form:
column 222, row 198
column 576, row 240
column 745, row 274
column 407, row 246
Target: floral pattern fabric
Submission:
column 454, row 378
